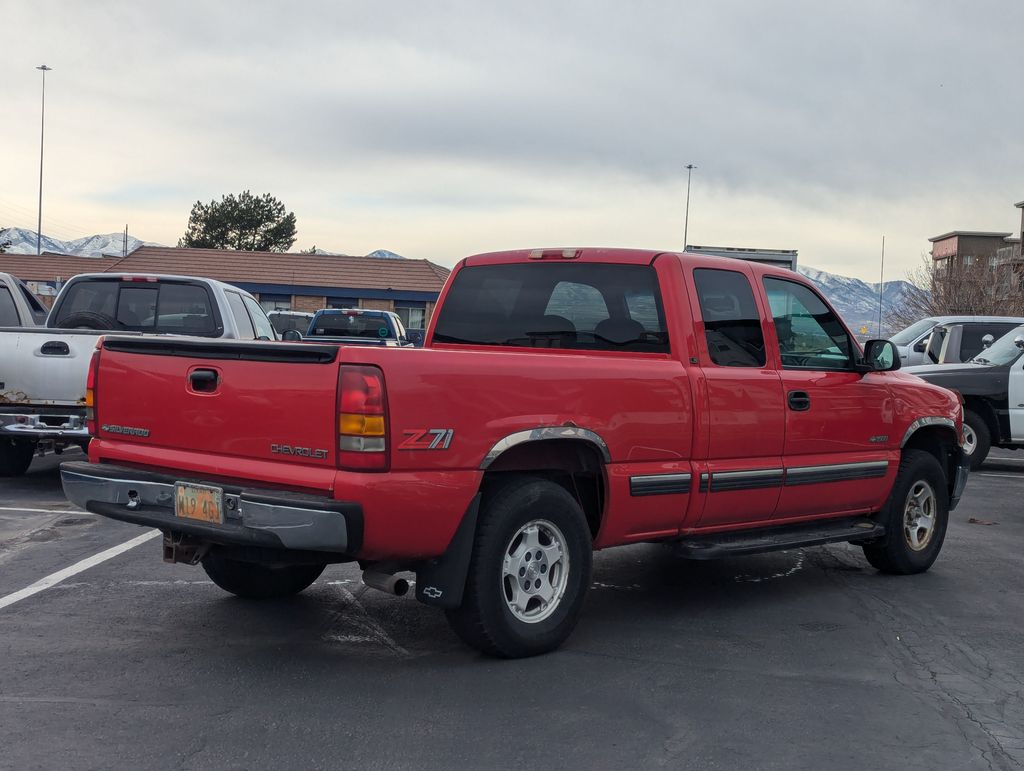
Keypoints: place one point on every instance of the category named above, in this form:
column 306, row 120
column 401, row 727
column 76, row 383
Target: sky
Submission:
column 442, row 129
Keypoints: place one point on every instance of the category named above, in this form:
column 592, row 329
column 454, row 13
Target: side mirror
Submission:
column 921, row 346
column 291, row 336
column 882, row 356
column 1019, row 342
column 986, row 341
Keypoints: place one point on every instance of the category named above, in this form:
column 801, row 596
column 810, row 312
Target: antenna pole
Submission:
column 686, row 221
column 881, row 273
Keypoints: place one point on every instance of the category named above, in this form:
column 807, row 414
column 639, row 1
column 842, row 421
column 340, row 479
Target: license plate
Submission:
column 199, row 502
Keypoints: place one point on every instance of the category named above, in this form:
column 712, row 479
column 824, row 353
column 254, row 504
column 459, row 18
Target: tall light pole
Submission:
column 686, row 222
column 42, row 127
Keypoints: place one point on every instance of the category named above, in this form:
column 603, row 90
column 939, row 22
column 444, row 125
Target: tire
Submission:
column 259, row 582
column 89, row 320
column 15, row 457
column 920, row 488
column 977, row 439
column 526, row 519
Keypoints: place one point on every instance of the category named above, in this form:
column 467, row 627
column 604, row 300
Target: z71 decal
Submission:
column 427, row 439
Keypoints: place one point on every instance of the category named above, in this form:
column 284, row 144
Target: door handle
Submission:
column 55, row 348
column 204, row 380
column 799, row 401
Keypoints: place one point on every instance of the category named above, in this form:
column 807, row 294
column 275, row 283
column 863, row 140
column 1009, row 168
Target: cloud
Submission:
column 814, row 126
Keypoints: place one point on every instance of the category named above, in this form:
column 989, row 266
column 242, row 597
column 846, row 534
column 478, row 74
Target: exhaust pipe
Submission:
column 386, row 582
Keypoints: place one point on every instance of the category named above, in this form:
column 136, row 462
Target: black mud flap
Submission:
column 441, row 581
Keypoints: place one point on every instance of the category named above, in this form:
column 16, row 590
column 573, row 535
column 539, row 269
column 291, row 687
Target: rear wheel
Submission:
column 529, row 571
column 977, row 439
column 259, row 582
column 915, row 517
column 15, row 457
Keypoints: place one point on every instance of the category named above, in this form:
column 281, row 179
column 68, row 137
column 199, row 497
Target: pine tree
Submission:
column 246, row 222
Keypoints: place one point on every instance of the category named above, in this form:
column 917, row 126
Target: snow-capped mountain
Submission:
column 24, row 242
column 856, row 300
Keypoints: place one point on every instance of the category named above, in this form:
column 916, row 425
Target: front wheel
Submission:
column 529, row 571
column 915, row 517
column 259, row 582
column 15, row 457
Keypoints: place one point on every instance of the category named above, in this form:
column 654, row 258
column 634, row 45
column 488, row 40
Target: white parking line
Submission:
column 1003, row 476
column 55, row 578
column 38, row 511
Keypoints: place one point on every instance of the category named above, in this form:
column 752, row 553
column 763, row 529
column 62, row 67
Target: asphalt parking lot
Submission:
column 805, row 659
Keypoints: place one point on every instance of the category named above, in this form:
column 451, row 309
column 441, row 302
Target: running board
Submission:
column 739, row 543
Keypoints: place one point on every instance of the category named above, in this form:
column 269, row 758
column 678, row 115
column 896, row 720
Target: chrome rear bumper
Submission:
column 252, row 516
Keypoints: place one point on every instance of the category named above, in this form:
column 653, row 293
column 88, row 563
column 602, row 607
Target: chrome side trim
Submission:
column 722, row 481
column 836, row 472
column 930, row 420
column 541, row 434
column 659, row 484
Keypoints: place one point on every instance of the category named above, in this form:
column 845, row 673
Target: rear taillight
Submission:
column 90, row 389
column 362, row 419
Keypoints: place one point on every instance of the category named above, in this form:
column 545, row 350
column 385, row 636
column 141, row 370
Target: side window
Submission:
column 259, row 319
column 8, row 313
column 245, row 327
column 973, row 336
column 732, row 324
column 810, row 335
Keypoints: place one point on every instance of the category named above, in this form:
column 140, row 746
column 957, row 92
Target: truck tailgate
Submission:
column 42, row 366
column 260, row 401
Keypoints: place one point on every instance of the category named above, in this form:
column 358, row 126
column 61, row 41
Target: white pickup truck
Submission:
column 43, row 370
column 18, row 306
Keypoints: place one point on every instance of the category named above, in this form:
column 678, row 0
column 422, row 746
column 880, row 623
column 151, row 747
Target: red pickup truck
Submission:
column 565, row 401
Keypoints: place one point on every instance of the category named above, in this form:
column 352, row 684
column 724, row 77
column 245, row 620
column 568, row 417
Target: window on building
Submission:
column 276, row 302
column 968, row 260
column 342, row 302
column 413, row 314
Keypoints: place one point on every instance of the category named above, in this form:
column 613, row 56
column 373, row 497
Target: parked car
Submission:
column 565, row 401
column 43, row 369
column 18, row 306
column 358, row 326
column 290, row 321
column 913, row 342
column 992, row 388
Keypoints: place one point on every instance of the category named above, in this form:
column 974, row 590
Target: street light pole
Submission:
column 42, row 127
column 686, row 222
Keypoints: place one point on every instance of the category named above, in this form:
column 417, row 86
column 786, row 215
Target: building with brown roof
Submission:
column 289, row 281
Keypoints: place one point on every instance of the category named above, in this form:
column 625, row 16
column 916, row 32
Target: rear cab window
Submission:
column 578, row 306
column 159, row 307
column 352, row 324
